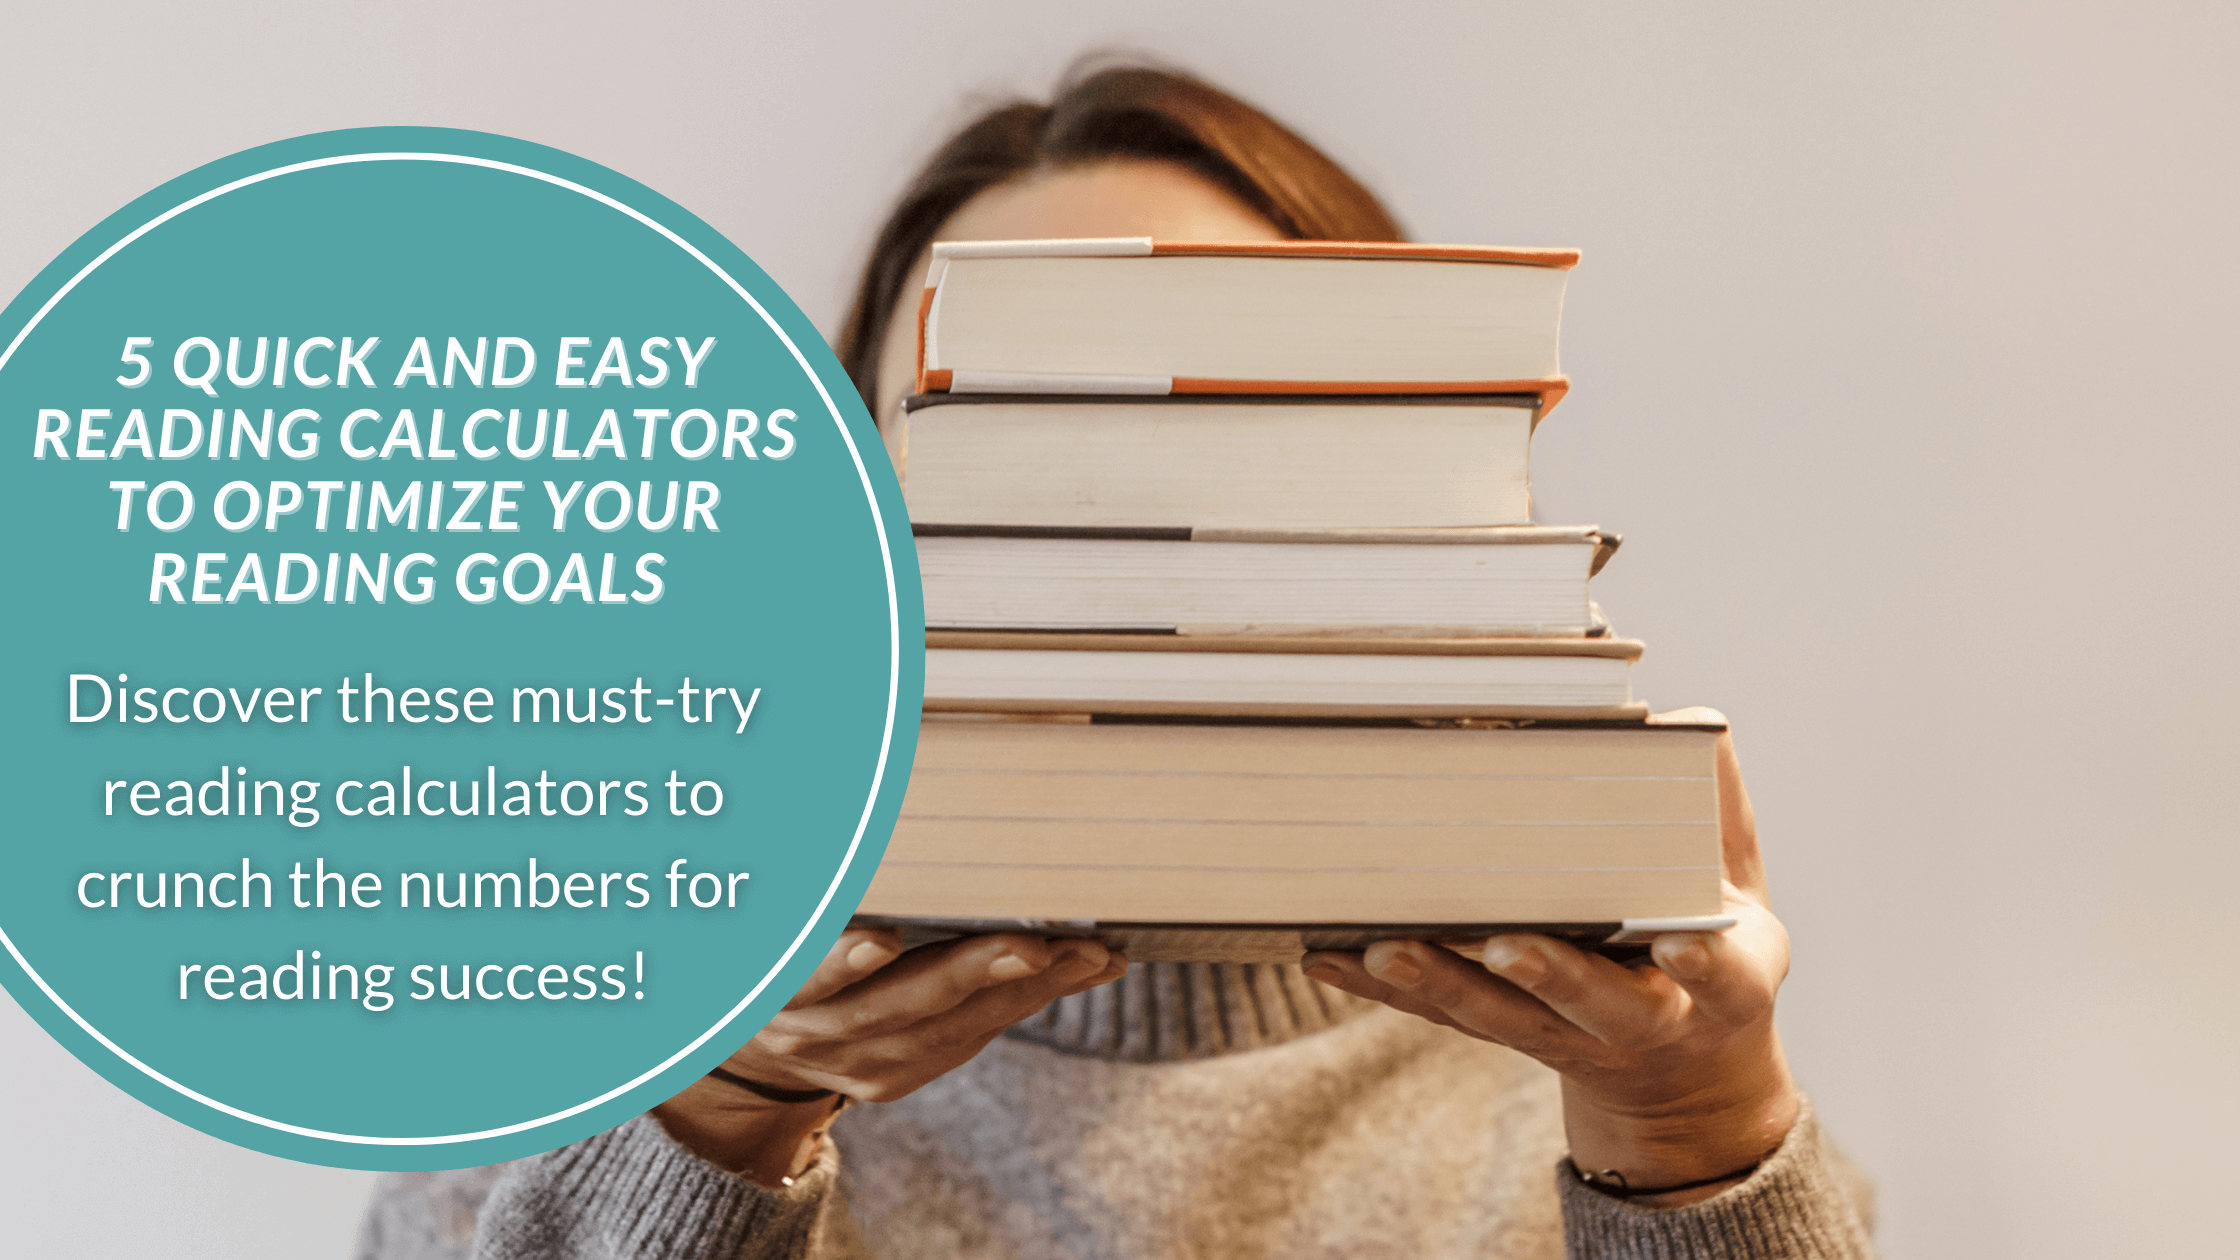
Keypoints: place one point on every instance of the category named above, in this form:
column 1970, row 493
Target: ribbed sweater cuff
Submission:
column 634, row 1192
column 1792, row 1208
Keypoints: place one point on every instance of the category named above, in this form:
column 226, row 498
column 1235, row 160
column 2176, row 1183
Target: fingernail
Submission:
column 1514, row 961
column 1325, row 972
column 1083, row 961
column 1010, row 967
column 869, row 954
column 1400, row 969
column 1687, row 960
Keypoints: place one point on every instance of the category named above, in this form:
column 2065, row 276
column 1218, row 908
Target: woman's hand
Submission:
column 874, row 1023
column 1671, row 1073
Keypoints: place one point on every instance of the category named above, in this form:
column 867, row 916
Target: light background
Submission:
column 1901, row 349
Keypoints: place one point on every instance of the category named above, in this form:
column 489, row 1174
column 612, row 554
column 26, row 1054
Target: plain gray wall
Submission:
column 1902, row 353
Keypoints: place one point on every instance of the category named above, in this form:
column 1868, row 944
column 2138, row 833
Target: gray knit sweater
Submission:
column 1187, row 1110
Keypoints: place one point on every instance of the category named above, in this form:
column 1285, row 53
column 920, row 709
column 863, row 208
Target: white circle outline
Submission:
column 894, row 646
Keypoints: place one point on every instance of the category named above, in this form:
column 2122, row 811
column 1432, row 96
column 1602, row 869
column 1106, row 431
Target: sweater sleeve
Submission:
column 1805, row 1203
column 633, row 1193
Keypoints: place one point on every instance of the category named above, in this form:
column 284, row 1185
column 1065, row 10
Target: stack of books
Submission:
column 1241, row 638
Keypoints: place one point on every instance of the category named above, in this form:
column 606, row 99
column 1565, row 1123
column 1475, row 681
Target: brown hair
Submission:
column 1119, row 112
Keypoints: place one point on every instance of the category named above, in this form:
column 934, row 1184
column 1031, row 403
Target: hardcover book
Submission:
column 1496, row 582
column 1138, row 316
column 1330, row 676
column 1302, row 832
column 1212, row 460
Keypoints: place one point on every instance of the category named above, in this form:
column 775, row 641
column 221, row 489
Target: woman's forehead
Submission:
column 1118, row 198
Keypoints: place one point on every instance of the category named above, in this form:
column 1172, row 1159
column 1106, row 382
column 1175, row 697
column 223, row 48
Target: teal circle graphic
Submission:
column 464, row 648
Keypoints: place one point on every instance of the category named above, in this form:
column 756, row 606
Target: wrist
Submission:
column 1713, row 1125
column 767, row 1141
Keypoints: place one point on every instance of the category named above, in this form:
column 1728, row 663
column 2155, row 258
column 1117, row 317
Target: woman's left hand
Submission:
column 1671, row 1073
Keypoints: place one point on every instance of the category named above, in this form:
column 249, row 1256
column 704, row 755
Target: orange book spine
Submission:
column 925, row 307
column 1551, row 389
column 1529, row 256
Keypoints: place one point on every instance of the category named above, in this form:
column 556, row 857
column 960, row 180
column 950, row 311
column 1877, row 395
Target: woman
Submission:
column 1045, row 1098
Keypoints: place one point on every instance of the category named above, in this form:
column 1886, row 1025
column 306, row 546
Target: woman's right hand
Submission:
column 874, row 1023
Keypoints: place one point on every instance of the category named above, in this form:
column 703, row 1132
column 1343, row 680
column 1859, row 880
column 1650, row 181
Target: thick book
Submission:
column 1427, row 460
column 1281, row 677
column 1138, row 316
column 1626, row 940
column 1497, row 582
column 1220, row 838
